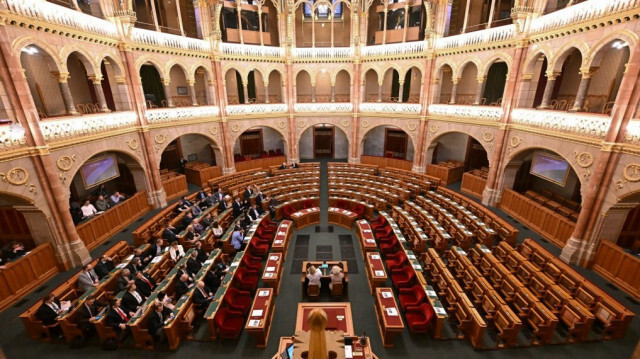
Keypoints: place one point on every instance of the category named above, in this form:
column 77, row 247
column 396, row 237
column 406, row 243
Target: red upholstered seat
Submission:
column 403, row 277
column 288, row 210
column 397, row 260
column 267, row 227
column 307, row 204
column 384, row 232
column 229, row 323
column 264, row 234
column 378, row 222
column 239, row 300
column 359, row 210
column 342, row 204
column 269, row 224
column 251, row 262
column 258, row 247
column 411, row 297
column 419, row 317
column 390, row 247
column 247, row 279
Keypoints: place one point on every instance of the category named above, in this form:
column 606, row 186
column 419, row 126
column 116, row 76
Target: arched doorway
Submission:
column 323, row 141
column 371, row 86
column 82, row 89
column 152, row 86
column 458, row 147
column 258, row 142
column 389, row 142
column 606, row 71
column 304, row 88
column 495, row 83
column 43, row 77
column 192, row 148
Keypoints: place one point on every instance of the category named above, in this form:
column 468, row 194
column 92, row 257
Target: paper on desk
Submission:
column 256, row 313
column 281, row 233
column 235, row 264
column 440, row 311
column 366, row 230
column 370, row 241
column 269, row 275
column 274, row 258
column 392, row 312
column 431, row 293
column 387, row 294
column 156, row 259
column 278, row 241
column 379, row 273
column 375, row 256
column 254, row 322
column 263, row 293
column 270, row 269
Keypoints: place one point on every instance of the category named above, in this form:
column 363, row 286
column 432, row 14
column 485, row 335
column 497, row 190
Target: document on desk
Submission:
column 257, row 313
column 387, row 294
column 263, row 293
column 392, row 312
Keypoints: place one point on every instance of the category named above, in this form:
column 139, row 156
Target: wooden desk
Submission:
column 342, row 217
column 306, row 217
column 440, row 312
column 273, row 271
column 338, row 316
column 352, row 204
column 365, row 234
column 376, row 273
column 388, row 314
column 358, row 350
column 325, row 274
column 447, row 175
column 260, row 316
column 473, row 184
column 282, row 237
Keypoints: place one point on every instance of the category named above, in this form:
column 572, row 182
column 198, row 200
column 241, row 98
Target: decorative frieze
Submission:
column 327, row 107
column 390, row 107
column 252, row 109
column 581, row 124
column 87, row 125
column 178, row 114
column 483, row 113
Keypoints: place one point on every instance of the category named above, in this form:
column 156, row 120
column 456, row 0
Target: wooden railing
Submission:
column 551, row 225
column 447, row 174
column 263, row 163
column 200, row 173
column 23, row 275
column 473, row 185
column 96, row 230
column 175, row 185
column 385, row 162
column 619, row 267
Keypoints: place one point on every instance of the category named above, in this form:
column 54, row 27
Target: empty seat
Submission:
column 239, row 300
column 411, row 297
column 403, row 277
column 229, row 323
column 419, row 317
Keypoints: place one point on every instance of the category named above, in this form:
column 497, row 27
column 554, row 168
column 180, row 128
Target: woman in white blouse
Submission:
column 314, row 276
column 336, row 276
column 176, row 251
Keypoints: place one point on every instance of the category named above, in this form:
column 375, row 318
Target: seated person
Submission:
column 202, row 296
column 163, row 298
column 88, row 210
column 197, row 227
column 135, row 265
column 206, row 221
column 101, row 191
column 124, row 280
column 15, row 250
column 210, row 200
column 87, row 278
column 102, row 204
column 273, row 203
column 254, row 212
column 169, row 233
column 202, row 255
column 176, row 251
column 182, row 286
column 314, row 276
column 183, row 270
column 191, row 237
column 222, row 205
column 187, row 219
column 237, row 238
column 196, row 211
column 104, row 266
column 87, row 313
column 336, row 276
column 193, row 264
column 237, row 207
column 144, row 257
column 156, row 322
column 217, row 230
column 184, row 204
column 156, row 248
column 244, row 221
column 132, row 300
column 49, row 310
column 116, row 197
column 117, row 319
column 283, row 166
column 295, row 165
column 144, row 283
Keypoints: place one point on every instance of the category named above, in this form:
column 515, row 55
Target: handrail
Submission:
column 497, row 34
column 323, row 52
column 77, row 126
column 158, row 115
column 582, row 124
column 490, row 113
column 251, row 50
column 414, row 47
column 160, row 39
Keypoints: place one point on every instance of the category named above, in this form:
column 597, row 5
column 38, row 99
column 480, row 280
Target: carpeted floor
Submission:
column 15, row 343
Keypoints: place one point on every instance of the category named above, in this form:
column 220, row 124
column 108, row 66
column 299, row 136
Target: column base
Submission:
column 418, row 169
column 228, row 170
column 157, row 199
column 491, row 197
column 572, row 250
column 354, row 159
column 78, row 253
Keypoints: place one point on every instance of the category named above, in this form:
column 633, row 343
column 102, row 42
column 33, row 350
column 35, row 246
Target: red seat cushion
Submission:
column 419, row 317
column 238, row 300
column 397, row 260
column 403, row 277
column 229, row 323
column 410, row 297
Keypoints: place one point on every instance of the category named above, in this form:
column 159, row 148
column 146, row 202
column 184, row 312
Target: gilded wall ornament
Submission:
column 160, row 138
column 65, row 163
column 16, row 176
column 213, row 130
column 133, row 144
column 515, row 141
column 235, row 127
column 434, row 128
column 302, row 123
column 411, row 126
column 281, row 125
column 487, row 136
column 631, row 172
column 365, row 123
column 584, row 159
column 345, row 123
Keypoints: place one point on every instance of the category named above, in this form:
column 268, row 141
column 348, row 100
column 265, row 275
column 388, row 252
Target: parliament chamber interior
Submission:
column 320, row 178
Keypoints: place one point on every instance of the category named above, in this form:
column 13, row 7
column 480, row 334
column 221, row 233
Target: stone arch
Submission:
column 365, row 70
column 53, row 60
column 173, row 136
column 148, row 60
column 333, row 74
column 475, row 136
column 533, row 58
column 461, row 67
column 86, row 59
column 116, row 64
column 247, row 125
column 440, row 67
column 395, row 125
column 171, row 64
column 595, row 55
column 302, row 134
column 561, row 55
column 311, row 74
column 499, row 57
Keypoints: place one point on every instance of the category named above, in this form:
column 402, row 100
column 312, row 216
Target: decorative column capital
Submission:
column 552, row 75
column 121, row 79
column 587, row 72
column 96, row 79
column 62, row 77
column 455, row 80
column 191, row 82
column 481, row 79
column 166, row 82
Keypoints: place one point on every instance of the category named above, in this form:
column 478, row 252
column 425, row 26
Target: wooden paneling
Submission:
column 200, row 173
column 618, row 266
column 473, row 185
column 14, row 228
column 448, row 175
column 103, row 226
column 383, row 162
column 23, row 275
column 551, row 225
column 263, row 163
column 175, row 185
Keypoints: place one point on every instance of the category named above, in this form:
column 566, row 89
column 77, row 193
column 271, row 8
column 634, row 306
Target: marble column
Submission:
column 582, row 92
column 97, row 87
column 480, row 89
column 400, row 90
column 266, row 92
column 313, row 92
column 454, row 90
column 333, row 92
column 379, row 91
column 245, row 89
column 192, row 92
column 548, row 89
column 167, row 92
column 63, row 83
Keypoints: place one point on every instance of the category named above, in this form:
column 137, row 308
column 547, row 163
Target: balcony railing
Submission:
column 79, row 126
column 60, row 15
column 251, row 50
column 632, row 135
column 328, row 107
column 584, row 11
column 263, row 108
column 484, row 113
column 323, row 52
column 160, row 39
column 581, row 124
column 406, row 48
column 11, row 138
column 390, row 107
column 160, row 115
column 497, row 34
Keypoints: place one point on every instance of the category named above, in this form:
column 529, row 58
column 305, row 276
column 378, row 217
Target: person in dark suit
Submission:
column 259, row 199
column 86, row 314
column 135, row 265
column 132, row 300
column 283, row 166
column 237, row 207
column 193, row 265
column 124, row 279
column 202, row 255
column 143, row 256
column 104, row 266
column 254, row 212
column 247, row 193
column 218, row 195
column 156, row 322
column 210, row 200
column 202, row 296
column 169, row 234
column 187, row 219
column 182, row 286
column 49, row 310
column 183, row 270
column 144, row 283
column 295, row 165
column 117, row 319
column 222, row 205
column 156, row 248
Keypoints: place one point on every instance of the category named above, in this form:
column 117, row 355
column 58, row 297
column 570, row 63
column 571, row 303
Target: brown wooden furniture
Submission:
column 341, row 217
column 199, row 173
column 388, row 314
column 448, row 172
column 272, row 275
column 325, row 274
column 338, row 316
column 306, row 217
column 260, row 163
column 282, row 237
column 385, row 162
column 618, row 266
column 351, row 204
column 261, row 316
column 174, row 185
column 473, row 184
column 376, row 273
column 365, row 234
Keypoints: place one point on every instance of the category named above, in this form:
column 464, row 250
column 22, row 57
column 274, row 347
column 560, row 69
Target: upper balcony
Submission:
column 593, row 127
column 71, row 128
column 163, row 40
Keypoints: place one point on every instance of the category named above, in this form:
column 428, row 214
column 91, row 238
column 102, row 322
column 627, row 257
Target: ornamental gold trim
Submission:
column 65, row 163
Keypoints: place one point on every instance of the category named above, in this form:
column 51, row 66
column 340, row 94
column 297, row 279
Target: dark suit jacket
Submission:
column 169, row 235
column 113, row 319
column 222, row 205
column 83, row 318
column 202, row 255
column 247, row 194
column 181, row 288
column 259, row 199
column 155, row 322
column 122, row 283
column 143, row 288
column 153, row 250
column 129, row 302
column 103, row 268
column 193, row 266
column 199, row 299
column 46, row 314
column 133, row 268
column 237, row 209
column 254, row 214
